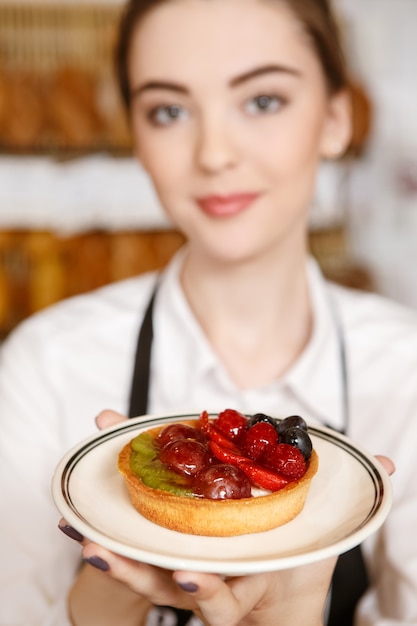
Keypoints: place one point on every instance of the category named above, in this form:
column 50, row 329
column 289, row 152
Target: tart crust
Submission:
column 216, row 518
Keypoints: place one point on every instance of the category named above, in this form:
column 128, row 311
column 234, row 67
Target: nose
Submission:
column 217, row 148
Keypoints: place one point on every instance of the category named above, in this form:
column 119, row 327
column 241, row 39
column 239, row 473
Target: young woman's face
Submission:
column 230, row 117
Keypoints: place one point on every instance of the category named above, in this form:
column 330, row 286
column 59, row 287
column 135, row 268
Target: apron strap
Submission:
column 349, row 580
column 349, row 583
column 139, row 392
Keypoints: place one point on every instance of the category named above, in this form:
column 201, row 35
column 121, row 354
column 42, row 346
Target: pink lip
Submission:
column 224, row 206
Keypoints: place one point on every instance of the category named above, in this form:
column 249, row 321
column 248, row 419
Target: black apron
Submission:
column 350, row 579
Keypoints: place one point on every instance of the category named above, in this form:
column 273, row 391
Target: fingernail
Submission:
column 98, row 563
column 71, row 532
column 188, row 587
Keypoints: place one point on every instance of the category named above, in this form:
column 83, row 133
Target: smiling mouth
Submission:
column 228, row 205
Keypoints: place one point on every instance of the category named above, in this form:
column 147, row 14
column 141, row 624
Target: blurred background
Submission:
column 76, row 211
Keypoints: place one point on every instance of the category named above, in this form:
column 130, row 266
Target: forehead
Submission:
column 183, row 38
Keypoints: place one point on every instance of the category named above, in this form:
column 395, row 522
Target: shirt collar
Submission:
column 315, row 380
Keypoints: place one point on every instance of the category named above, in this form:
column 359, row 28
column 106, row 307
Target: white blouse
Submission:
column 64, row 365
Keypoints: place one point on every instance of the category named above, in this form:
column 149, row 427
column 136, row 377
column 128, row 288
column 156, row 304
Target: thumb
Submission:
column 215, row 599
column 386, row 463
column 109, row 418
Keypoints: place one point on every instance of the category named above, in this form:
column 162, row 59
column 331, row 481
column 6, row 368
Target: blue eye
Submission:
column 263, row 104
column 166, row 115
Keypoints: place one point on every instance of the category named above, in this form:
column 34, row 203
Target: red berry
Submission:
column 287, row 460
column 204, row 423
column 260, row 438
column 231, row 423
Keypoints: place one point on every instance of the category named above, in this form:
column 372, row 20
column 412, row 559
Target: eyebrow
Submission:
column 155, row 85
column 264, row 69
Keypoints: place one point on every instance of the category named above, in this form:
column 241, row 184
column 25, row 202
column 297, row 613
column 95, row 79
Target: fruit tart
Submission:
column 221, row 476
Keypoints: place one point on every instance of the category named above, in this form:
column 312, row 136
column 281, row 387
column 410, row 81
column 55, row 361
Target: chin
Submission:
column 229, row 255
column 230, row 241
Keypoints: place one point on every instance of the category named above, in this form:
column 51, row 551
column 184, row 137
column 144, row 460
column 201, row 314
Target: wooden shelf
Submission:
column 39, row 268
column 58, row 92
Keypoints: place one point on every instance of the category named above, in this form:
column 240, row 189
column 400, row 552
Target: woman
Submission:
column 233, row 104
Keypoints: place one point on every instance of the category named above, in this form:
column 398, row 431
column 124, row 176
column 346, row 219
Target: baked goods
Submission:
column 3, row 101
column 22, row 120
column 169, row 473
column 73, row 117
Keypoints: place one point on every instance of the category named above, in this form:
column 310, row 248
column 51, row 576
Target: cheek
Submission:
column 291, row 150
column 164, row 160
column 288, row 161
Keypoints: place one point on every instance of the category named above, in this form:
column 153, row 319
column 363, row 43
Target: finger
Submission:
column 109, row 418
column 217, row 603
column 387, row 464
column 153, row 583
column 229, row 602
column 72, row 532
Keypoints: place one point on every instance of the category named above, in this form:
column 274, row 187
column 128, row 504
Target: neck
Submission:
column 256, row 314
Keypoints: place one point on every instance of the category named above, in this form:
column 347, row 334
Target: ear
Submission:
column 337, row 129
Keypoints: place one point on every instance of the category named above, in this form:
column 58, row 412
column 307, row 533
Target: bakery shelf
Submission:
column 58, row 91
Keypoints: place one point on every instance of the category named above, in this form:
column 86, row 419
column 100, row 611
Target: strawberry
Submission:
column 231, row 423
column 213, row 433
column 216, row 436
column 259, row 476
column 204, row 423
column 231, row 456
column 263, row 477
column 260, row 438
column 287, row 460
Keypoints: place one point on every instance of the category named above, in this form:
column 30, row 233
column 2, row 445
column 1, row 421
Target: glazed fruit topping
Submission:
column 231, row 423
column 261, row 417
column 179, row 431
column 216, row 436
column 258, row 440
column 185, row 456
column 223, row 457
column 262, row 477
column 293, row 421
column 222, row 482
column 287, row 460
column 259, row 475
column 298, row 438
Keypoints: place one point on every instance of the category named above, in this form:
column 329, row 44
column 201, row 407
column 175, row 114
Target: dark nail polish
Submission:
column 71, row 532
column 189, row 587
column 98, row 563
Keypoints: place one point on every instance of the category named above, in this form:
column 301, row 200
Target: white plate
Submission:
column 349, row 499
